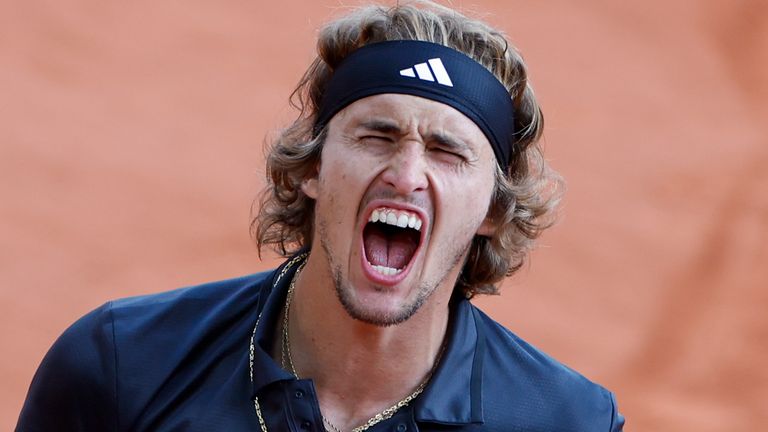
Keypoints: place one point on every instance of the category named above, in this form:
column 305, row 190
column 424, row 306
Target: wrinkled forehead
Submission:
column 429, row 71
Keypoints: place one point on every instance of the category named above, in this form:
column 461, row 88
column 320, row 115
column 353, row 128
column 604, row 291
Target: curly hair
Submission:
column 524, row 198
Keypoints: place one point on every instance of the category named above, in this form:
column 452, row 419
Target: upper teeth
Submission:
column 398, row 218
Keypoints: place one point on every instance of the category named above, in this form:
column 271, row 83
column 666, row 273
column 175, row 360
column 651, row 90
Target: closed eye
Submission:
column 377, row 137
column 448, row 154
column 450, row 147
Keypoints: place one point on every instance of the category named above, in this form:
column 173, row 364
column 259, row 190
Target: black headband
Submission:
column 430, row 71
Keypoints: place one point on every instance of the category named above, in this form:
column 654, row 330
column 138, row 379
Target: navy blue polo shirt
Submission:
column 179, row 361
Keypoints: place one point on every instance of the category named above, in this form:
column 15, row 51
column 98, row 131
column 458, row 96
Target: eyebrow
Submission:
column 383, row 126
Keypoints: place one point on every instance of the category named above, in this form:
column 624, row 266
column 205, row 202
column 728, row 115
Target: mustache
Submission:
column 420, row 200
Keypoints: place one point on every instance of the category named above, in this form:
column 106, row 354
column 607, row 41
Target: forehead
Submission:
column 411, row 114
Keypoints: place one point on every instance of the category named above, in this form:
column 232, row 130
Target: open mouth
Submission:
column 390, row 240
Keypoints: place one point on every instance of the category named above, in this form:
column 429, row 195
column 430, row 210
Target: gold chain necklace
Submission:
column 252, row 348
column 286, row 354
column 285, row 349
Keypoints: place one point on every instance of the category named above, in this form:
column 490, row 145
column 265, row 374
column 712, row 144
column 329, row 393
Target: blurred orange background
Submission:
column 131, row 138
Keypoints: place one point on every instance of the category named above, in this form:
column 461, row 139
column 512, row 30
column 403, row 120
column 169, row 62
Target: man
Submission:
column 410, row 182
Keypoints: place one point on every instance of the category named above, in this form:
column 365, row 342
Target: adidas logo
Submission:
column 429, row 71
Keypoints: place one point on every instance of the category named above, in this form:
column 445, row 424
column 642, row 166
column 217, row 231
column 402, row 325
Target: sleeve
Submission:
column 75, row 387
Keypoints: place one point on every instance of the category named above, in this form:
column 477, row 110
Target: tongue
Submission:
column 391, row 247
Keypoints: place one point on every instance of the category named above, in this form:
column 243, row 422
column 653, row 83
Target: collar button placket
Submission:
column 300, row 406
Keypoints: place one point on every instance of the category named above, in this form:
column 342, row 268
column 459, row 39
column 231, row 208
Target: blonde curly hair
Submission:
column 524, row 198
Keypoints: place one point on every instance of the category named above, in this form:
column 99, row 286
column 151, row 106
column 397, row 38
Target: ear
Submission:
column 487, row 228
column 310, row 187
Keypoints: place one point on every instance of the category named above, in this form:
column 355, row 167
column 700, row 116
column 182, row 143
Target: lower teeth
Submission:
column 387, row 271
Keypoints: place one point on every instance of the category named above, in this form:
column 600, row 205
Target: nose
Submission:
column 406, row 171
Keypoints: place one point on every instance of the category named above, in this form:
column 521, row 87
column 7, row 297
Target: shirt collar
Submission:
column 263, row 334
column 454, row 394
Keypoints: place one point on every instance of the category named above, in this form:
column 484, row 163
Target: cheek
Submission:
column 347, row 176
column 340, row 190
column 471, row 196
column 471, row 199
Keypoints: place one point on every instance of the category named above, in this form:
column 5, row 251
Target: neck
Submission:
column 339, row 353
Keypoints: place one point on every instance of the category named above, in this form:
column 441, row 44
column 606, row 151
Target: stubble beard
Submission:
column 344, row 290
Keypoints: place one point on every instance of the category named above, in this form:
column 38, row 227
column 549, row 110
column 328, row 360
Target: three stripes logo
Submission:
column 431, row 70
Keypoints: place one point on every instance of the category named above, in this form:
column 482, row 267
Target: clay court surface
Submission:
column 131, row 139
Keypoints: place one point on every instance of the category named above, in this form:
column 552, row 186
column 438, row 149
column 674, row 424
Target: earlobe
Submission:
column 487, row 228
column 309, row 187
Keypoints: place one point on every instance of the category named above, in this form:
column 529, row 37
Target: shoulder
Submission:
column 539, row 391
column 76, row 376
column 206, row 300
column 172, row 324
column 113, row 348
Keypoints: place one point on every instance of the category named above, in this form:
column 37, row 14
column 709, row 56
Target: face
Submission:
column 403, row 186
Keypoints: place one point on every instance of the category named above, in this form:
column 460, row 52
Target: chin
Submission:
column 382, row 310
